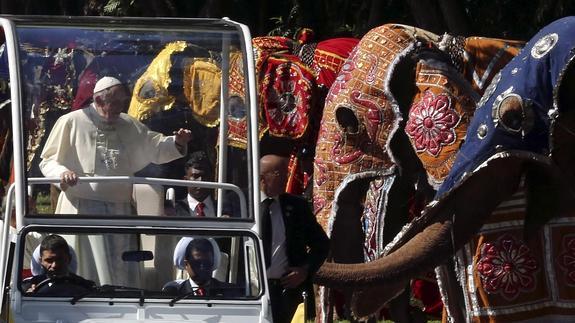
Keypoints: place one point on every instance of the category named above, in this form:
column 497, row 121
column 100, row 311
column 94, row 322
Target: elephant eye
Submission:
column 148, row 90
column 287, row 102
column 237, row 107
column 347, row 120
column 513, row 114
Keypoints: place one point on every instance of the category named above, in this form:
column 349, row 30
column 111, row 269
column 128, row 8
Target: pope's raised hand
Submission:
column 183, row 136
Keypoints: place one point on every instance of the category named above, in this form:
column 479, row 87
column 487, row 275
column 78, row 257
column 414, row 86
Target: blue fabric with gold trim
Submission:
column 517, row 109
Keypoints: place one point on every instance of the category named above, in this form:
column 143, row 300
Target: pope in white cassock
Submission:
column 100, row 140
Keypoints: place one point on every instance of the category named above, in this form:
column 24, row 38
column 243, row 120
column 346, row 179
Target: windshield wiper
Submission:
column 184, row 296
column 109, row 289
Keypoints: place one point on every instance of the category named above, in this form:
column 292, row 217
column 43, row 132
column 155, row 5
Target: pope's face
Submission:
column 116, row 103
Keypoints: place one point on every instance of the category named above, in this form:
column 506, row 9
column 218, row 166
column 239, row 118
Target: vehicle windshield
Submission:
column 163, row 79
column 123, row 263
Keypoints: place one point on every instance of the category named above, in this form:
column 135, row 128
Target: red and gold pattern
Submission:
column 286, row 92
column 507, row 267
column 360, row 89
column 509, row 278
column 438, row 119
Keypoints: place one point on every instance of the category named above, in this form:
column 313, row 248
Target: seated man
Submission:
column 56, row 278
column 199, row 257
column 200, row 201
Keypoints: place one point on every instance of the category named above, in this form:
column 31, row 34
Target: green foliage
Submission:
column 117, row 7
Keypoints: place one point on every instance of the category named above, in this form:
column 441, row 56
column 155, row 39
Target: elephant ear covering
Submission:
column 514, row 122
column 516, row 115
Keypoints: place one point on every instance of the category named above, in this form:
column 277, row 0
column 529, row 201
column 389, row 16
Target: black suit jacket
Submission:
column 306, row 242
column 231, row 205
column 68, row 285
column 215, row 288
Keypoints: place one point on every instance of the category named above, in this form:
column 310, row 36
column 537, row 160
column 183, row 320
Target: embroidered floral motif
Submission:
column 431, row 123
column 506, row 267
column 567, row 258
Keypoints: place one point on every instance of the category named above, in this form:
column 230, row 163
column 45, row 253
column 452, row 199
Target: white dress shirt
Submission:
column 209, row 208
column 279, row 259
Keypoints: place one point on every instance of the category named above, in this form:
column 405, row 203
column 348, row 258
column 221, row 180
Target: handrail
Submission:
column 150, row 180
column 6, row 237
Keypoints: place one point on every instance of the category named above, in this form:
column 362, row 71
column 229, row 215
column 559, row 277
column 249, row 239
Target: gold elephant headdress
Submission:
column 181, row 72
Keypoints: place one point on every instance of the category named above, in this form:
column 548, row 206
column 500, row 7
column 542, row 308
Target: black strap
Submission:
column 267, row 229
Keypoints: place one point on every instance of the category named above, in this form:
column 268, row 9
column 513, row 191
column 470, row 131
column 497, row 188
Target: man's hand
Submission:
column 295, row 276
column 183, row 136
column 68, row 178
column 32, row 289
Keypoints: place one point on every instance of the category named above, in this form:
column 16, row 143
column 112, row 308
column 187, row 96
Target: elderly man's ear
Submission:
column 99, row 101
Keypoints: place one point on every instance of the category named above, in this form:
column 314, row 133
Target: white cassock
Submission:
column 82, row 142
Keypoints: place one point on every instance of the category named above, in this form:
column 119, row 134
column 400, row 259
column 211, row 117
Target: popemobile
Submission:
column 109, row 126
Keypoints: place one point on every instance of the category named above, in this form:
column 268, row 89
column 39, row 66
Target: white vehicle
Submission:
column 204, row 82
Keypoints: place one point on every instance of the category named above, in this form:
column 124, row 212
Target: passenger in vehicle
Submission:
column 200, row 201
column 56, row 278
column 200, row 257
column 101, row 140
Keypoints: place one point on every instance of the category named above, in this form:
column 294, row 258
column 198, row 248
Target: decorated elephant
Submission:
column 501, row 222
column 393, row 122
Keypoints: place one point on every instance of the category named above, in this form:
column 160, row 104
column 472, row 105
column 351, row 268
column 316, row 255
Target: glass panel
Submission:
column 173, row 79
column 130, row 264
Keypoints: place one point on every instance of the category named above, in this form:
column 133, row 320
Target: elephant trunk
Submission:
column 442, row 229
column 424, row 251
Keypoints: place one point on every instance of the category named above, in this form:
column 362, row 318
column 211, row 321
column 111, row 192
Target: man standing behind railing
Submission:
column 100, row 140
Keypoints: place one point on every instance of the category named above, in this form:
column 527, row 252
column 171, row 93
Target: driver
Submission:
column 57, row 279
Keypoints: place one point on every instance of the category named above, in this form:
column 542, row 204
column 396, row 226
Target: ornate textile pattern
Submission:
column 431, row 123
column 151, row 90
column 506, row 267
column 567, row 259
column 503, row 122
column 286, row 96
column 58, row 75
column 202, row 87
column 174, row 70
column 507, row 278
column 358, row 141
column 293, row 77
column 485, row 57
column 371, row 217
column 438, row 118
column 237, row 113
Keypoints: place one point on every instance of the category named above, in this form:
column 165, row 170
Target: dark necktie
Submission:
column 267, row 229
column 200, row 209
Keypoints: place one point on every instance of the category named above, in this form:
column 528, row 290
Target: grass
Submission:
column 43, row 204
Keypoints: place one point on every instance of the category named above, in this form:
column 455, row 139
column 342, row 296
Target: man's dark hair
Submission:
column 54, row 242
column 200, row 244
column 199, row 160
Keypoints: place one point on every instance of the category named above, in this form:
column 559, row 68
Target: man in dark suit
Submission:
column 199, row 201
column 295, row 245
column 200, row 262
column 56, row 279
